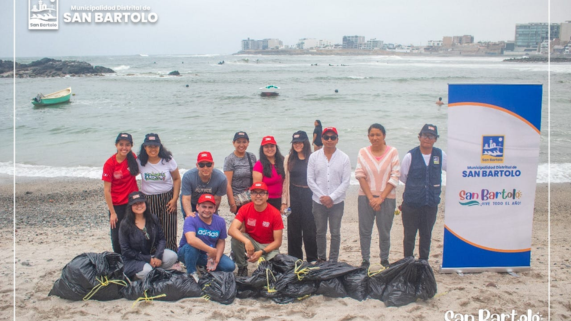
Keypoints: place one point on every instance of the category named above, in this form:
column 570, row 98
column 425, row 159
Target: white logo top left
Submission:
column 43, row 14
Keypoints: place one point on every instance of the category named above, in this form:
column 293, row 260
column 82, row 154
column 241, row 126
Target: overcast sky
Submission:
column 218, row 26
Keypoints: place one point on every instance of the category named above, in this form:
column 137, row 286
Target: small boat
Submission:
column 269, row 91
column 58, row 97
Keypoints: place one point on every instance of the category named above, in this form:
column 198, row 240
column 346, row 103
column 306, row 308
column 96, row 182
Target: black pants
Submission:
column 276, row 202
column 120, row 210
column 301, row 224
column 419, row 219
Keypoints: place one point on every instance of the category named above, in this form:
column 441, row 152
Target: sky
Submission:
column 218, row 26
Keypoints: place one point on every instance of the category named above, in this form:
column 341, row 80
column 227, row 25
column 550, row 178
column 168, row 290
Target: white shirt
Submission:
column 405, row 164
column 329, row 177
column 156, row 178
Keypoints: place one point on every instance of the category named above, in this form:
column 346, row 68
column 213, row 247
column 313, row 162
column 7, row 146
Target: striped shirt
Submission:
column 378, row 172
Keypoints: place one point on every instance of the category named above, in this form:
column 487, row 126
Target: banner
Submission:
column 493, row 152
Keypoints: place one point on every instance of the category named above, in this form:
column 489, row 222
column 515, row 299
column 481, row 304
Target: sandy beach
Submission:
column 58, row 219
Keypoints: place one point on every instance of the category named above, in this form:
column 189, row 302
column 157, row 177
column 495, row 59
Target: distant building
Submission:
column 269, row 44
column 531, row 35
column 353, row 42
column 307, row 43
column 265, row 44
column 565, row 32
column 467, row 39
column 457, row 40
column 447, row 41
column 373, row 44
column 435, row 43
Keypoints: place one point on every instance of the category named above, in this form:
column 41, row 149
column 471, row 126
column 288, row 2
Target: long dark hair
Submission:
column 318, row 125
column 131, row 161
column 164, row 154
column 294, row 157
column 267, row 166
column 130, row 218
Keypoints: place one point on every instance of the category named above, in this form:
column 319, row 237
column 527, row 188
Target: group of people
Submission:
column 309, row 188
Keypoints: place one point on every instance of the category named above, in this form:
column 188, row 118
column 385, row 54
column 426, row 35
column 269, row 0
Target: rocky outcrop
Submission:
column 48, row 67
column 174, row 73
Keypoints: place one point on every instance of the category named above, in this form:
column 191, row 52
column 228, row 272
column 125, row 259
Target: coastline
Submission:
column 57, row 219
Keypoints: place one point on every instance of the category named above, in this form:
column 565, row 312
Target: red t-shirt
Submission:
column 260, row 225
column 122, row 182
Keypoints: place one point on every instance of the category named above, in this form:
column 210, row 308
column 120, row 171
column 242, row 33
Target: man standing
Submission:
column 328, row 176
column 203, row 179
column 421, row 172
column 203, row 239
column 263, row 229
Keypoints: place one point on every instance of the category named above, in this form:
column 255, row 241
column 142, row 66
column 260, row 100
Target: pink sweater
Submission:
column 378, row 172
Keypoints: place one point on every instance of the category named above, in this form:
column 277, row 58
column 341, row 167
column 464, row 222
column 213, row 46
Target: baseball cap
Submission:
column 204, row 157
column 259, row 185
column 124, row 136
column 206, row 198
column 152, row 140
column 240, row 135
column 268, row 140
column 330, row 129
column 136, row 197
column 299, row 136
column 429, row 129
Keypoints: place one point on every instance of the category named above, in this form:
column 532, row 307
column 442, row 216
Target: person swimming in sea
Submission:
column 439, row 102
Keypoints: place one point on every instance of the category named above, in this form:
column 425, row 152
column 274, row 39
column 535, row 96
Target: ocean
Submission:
column 399, row 92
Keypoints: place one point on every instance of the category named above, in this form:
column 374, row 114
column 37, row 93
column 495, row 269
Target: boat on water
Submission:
column 269, row 91
column 58, row 97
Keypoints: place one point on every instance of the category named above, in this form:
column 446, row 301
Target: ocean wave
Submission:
column 122, row 67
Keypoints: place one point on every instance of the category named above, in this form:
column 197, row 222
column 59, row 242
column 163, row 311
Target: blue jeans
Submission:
column 192, row 257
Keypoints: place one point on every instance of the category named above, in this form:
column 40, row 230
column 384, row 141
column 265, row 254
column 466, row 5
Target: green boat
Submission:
column 58, row 97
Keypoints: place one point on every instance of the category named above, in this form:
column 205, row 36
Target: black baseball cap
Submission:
column 299, row 136
column 136, row 197
column 124, row 136
column 429, row 129
column 152, row 139
column 240, row 135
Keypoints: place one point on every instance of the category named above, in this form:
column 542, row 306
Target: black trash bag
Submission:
column 275, row 296
column 356, row 284
column 174, row 285
column 259, row 277
column 329, row 270
column 332, row 288
column 299, row 289
column 379, row 281
column 91, row 276
column 219, row 286
column 247, row 293
column 283, row 263
column 282, row 299
column 426, row 284
column 296, row 274
column 401, row 290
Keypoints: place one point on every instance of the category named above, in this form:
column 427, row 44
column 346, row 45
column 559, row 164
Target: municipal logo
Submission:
column 493, row 149
column 43, row 14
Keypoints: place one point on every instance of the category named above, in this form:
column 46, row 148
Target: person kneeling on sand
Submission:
column 142, row 240
column 204, row 238
column 263, row 227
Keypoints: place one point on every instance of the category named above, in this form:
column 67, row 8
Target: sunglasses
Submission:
column 329, row 137
column 201, row 165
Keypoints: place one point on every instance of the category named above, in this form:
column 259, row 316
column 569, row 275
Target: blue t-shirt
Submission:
column 194, row 186
column 209, row 234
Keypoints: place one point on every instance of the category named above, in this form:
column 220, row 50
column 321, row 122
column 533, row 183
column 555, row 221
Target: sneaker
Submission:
column 195, row 276
column 242, row 271
column 385, row 263
column 365, row 264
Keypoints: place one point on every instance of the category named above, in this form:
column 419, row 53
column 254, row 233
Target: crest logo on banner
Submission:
column 493, row 149
column 43, row 14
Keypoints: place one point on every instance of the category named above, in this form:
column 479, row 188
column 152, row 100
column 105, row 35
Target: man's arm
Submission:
column 197, row 243
column 404, row 167
column 270, row 247
column 187, row 207
column 234, row 231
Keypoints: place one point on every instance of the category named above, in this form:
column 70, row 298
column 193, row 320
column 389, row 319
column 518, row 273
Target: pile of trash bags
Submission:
column 283, row 279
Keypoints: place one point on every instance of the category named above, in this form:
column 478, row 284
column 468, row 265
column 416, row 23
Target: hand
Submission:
column 211, row 253
column 113, row 220
column 193, row 214
column 255, row 256
column 171, row 206
column 153, row 262
column 326, row 201
column 375, row 203
column 233, row 208
column 158, row 262
column 284, row 207
column 249, row 248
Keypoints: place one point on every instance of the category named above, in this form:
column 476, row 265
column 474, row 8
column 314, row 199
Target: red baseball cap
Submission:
column 259, row 185
column 268, row 140
column 204, row 157
column 329, row 129
column 206, row 198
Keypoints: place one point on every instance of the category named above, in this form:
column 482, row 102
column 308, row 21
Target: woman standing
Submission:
column 317, row 143
column 297, row 195
column 119, row 173
column 160, row 182
column 238, row 168
column 270, row 170
column 142, row 240
column 378, row 171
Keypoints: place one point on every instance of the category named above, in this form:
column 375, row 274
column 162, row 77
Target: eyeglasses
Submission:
column 428, row 136
column 201, row 165
column 258, row 193
column 329, row 137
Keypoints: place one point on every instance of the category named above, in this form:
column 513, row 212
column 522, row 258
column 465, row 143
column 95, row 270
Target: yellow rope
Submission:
column 373, row 273
column 148, row 299
column 304, row 297
column 440, row 294
column 301, row 273
column 268, row 273
column 104, row 281
column 206, row 297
